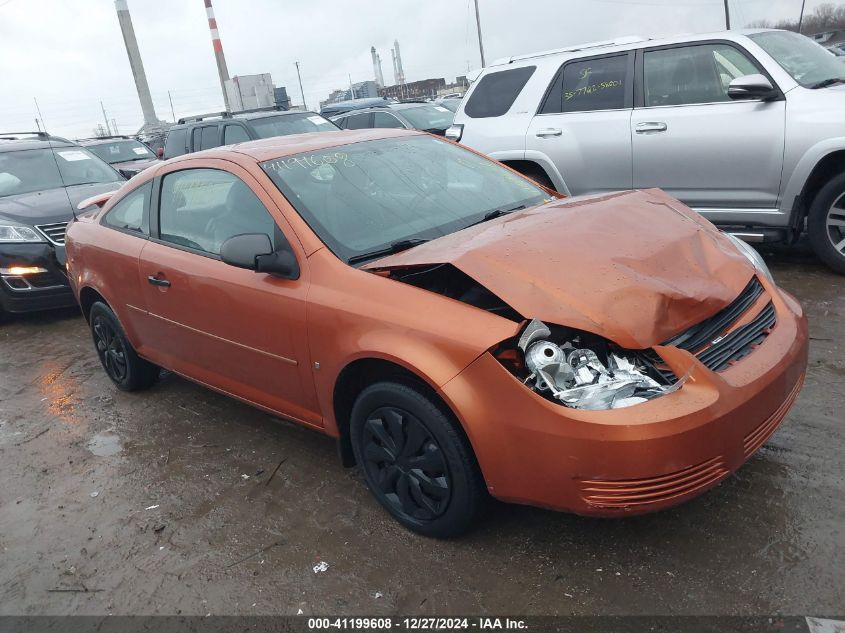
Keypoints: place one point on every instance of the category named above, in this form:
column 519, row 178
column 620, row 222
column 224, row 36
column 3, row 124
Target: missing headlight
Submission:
column 582, row 370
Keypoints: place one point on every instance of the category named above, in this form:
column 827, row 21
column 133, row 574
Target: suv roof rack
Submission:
column 23, row 136
column 632, row 39
column 229, row 115
column 107, row 137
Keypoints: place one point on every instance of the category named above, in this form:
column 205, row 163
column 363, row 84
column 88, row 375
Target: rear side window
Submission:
column 128, row 214
column 496, row 92
column 589, row 85
column 174, row 144
column 359, row 121
column 383, row 119
column 209, row 137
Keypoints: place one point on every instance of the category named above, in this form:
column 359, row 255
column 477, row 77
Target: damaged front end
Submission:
column 583, row 371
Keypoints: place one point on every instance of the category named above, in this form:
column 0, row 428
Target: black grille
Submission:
column 54, row 232
column 46, row 280
column 719, row 352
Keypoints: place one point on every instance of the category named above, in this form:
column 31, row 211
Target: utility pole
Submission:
column 40, row 116
column 172, row 111
column 105, row 118
column 38, row 124
column 801, row 19
column 301, row 91
column 114, row 126
column 727, row 16
column 481, row 43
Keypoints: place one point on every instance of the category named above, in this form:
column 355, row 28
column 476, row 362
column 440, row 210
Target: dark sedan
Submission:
column 127, row 155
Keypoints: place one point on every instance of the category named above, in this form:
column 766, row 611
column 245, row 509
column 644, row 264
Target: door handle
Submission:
column 651, row 126
column 549, row 131
column 156, row 281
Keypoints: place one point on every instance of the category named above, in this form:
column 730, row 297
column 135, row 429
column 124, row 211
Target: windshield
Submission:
column 428, row 117
column 807, row 62
column 366, row 196
column 121, row 151
column 31, row 170
column 285, row 124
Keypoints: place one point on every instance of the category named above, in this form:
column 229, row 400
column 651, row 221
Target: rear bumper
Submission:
column 31, row 293
column 638, row 459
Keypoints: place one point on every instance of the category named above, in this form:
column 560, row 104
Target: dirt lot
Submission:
column 163, row 502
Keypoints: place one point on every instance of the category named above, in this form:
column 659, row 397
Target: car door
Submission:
column 692, row 140
column 237, row 330
column 583, row 123
column 387, row 119
column 359, row 121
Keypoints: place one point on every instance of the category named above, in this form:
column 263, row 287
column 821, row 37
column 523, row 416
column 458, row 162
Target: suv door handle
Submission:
column 651, row 126
column 549, row 131
column 155, row 280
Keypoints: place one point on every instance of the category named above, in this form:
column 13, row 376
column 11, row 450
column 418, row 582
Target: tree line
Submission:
column 825, row 17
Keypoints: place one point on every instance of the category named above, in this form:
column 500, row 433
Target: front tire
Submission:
column 123, row 366
column 415, row 461
column 826, row 224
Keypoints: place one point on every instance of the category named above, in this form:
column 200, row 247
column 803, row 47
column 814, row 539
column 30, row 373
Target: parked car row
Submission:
column 743, row 126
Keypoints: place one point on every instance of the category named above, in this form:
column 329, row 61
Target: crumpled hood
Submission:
column 51, row 205
column 637, row 267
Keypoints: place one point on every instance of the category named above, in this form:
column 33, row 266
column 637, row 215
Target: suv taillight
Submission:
column 454, row 132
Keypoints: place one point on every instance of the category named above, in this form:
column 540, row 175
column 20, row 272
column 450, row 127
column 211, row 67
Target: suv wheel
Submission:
column 415, row 461
column 826, row 224
column 126, row 369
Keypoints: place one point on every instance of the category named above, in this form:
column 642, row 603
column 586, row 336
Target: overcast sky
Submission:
column 69, row 54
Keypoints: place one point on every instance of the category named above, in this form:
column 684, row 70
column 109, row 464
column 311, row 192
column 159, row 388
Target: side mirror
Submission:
column 752, row 87
column 127, row 173
column 160, row 152
column 254, row 251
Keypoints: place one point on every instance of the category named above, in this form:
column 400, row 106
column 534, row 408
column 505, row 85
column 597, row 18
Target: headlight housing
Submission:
column 752, row 255
column 581, row 370
column 14, row 233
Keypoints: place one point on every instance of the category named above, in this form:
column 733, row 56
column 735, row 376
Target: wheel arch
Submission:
column 830, row 166
column 362, row 372
column 88, row 296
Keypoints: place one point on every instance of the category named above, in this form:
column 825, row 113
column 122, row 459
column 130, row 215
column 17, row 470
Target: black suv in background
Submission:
column 126, row 154
column 42, row 179
column 205, row 131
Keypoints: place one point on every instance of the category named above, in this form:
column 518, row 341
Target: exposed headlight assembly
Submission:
column 582, row 371
column 18, row 233
column 752, row 255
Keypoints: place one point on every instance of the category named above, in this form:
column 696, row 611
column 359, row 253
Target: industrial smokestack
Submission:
column 125, row 20
column 222, row 71
column 380, row 73
column 395, row 69
column 375, row 66
column 400, row 72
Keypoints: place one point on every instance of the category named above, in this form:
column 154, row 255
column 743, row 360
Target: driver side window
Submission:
column 202, row 208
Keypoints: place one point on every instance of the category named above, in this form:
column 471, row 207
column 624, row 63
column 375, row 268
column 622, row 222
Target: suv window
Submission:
column 209, row 137
column 202, row 208
column 358, row 121
column 590, row 85
column 174, row 143
column 496, row 92
column 234, row 134
column 128, row 214
column 692, row 74
column 384, row 119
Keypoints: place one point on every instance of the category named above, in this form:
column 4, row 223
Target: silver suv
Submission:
column 747, row 127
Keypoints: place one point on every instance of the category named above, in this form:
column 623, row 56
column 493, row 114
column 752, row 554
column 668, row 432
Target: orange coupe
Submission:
column 459, row 330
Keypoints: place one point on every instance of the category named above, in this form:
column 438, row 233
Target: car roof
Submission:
column 410, row 105
column 617, row 45
column 281, row 146
column 219, row 117
column 103, row 139
column 10, row 144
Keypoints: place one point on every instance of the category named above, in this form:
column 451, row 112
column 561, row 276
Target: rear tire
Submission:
column 826, row 224
column 415, row 461
column 123, row 366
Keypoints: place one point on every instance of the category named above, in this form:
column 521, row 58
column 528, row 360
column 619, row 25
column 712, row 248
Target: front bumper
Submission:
column 42, row 291
column 638, row 459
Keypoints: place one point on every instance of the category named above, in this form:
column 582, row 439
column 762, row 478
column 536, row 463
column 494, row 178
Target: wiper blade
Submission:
column 828, row 82
column 395, row 247
column 496, row 213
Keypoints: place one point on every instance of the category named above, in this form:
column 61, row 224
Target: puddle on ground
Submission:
column 105, row 445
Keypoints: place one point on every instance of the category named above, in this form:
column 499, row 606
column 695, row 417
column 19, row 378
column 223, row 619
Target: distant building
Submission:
column 361, row 90
column 422, row 89
column 247, row 92
column 460, row 86
column 280, row 96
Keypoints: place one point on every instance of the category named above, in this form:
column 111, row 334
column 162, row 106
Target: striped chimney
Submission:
column 222, row 70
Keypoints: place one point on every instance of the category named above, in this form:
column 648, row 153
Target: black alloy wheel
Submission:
column 416, row 459
column 110, row 348
column 406, row 463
